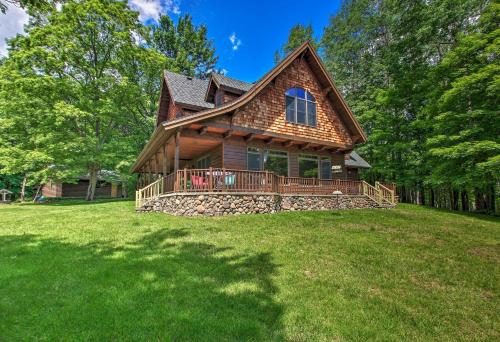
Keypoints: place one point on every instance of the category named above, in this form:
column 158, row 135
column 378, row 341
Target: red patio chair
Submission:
column 198, row 182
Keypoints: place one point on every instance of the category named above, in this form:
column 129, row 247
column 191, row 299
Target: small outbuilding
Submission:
column 5, row 196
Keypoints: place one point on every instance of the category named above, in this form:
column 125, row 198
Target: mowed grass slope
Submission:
column 79, row 271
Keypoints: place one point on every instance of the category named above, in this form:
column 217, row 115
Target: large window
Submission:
column 273, row 161
column 203, row 163
column 300, row 106
column 308, row 166
column 315, row 167
column 326, row 168
column 253, row 159
column 276, row 161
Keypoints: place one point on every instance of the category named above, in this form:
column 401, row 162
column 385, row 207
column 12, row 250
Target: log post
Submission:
column 176, row 156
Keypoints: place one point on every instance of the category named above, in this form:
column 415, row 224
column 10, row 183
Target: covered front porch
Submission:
column 214, row 158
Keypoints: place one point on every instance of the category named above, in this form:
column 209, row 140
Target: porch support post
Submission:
column 164, row 151
column 176, row 156
column 157, row 172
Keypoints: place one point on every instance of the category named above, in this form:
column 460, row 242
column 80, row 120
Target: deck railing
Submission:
column 149, row 192
column 386, row 194
column 228, row 180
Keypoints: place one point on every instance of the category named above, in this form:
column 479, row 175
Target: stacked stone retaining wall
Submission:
column 221, row 204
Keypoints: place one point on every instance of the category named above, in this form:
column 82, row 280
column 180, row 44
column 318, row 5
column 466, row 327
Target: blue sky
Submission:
column 260, row 26
column 245, row 33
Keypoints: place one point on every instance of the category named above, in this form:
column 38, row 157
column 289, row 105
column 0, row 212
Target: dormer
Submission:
column 222, row 89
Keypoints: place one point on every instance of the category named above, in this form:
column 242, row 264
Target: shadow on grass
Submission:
column 157, row 288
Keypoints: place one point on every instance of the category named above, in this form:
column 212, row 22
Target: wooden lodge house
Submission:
column 223, row 146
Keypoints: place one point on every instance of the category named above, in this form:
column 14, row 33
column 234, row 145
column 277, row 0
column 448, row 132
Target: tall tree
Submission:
column 186, row 46
column 83, row 50
column 298, row 35
column 464, row 113
column 381, row 53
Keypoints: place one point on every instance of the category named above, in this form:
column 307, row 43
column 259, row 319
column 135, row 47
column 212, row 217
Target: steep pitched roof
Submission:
column 306, row 51
column 187, row 90
column 355, row 161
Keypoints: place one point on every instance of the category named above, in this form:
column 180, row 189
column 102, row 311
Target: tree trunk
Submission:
column 37, row 192
column 92, row 184
column 465, row 200
column 478, row 199
column 431, row 199
column 454, row 200
column 124, row 190
column 22, row 194
column 422, row 196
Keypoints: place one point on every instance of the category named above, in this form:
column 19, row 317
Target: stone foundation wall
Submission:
column 308, row 202
column 221, row 204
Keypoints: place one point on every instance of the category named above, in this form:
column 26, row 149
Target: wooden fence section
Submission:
column 226, row 180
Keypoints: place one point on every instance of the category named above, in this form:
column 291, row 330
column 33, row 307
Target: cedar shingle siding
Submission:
column 267, row 110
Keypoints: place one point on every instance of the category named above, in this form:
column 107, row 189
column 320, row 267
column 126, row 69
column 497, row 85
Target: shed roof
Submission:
column 355, row 161
column 232, row 82
column 5, row 191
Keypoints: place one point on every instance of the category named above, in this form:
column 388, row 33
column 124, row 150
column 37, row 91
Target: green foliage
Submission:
column 408, row 70
column 68, row 88
column 298, row 35
column 465, row 144
column 186, row 46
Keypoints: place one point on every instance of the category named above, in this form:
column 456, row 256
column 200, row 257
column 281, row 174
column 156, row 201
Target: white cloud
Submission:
column 152, row 9
column 11, row 24
column 235, row 41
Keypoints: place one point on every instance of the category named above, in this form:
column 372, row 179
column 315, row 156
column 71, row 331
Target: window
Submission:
column 308, row 166
column 203, row 163
column 300, row 107
column 276, row 161
column 273, row 161
column 326, row 168
column 253, row 159
column 218, row 98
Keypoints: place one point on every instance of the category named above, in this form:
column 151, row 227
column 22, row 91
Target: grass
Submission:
column 78, row 271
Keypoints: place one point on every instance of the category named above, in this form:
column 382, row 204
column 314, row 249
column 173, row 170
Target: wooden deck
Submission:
column 245, row 181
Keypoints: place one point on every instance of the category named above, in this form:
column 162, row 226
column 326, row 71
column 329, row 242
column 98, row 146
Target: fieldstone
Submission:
column 200, row 209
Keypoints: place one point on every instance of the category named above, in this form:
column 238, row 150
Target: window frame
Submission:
column 318, row 159
column 204, row 159
column 257, row 151
column 260, row 151
column 306, row 99
column 276, row 153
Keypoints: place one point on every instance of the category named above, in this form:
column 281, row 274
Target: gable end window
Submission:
column 300, row 107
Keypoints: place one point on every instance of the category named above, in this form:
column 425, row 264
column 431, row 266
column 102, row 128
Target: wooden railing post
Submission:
column 210, row 179
column 185, row 180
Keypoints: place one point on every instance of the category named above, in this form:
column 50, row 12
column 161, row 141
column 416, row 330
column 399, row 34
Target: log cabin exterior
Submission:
column 290, row 132
column 78, row 189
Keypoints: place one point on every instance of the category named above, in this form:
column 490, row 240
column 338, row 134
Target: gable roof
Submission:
column 355, row 161
column 304, row 51
column 187, row 90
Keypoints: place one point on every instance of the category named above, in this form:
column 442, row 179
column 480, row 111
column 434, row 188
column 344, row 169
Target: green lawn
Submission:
column 78, row 271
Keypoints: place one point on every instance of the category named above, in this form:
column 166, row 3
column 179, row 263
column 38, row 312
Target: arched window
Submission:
column 300, row 107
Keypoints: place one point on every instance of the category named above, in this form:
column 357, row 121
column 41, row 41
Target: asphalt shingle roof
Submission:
column 356, row 161
column 188, row 90
column 232, row 82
